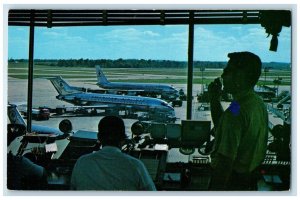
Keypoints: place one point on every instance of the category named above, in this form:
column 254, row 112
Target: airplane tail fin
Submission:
column 100, row 76
column 61, row 86
column 14, row 115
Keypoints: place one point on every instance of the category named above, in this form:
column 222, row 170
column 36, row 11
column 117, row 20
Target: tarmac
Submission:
column 44, row 94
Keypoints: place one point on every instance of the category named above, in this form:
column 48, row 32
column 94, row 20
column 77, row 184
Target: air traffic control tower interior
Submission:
column 175, row 152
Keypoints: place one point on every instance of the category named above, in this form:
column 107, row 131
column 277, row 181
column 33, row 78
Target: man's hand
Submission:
column 215, row 90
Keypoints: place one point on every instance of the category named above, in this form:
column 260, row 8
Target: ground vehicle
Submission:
column 40, row 114
column 177, row 103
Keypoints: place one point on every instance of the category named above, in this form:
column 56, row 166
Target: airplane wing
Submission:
column 121, row 90
column 131, row 90
column 19, row 104
column 96, row 106
column 112, row 91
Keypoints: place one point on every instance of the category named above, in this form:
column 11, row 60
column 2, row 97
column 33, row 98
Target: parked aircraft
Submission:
column 15, row 117
column 156, row 108
column 166, row 92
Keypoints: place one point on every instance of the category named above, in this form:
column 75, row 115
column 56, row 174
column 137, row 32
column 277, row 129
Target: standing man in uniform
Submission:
column 241, row 131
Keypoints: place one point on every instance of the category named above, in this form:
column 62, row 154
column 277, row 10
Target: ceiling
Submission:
column 56, row 18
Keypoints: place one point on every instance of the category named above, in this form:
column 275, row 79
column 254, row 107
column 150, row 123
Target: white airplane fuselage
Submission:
column 166, row 91
column 119, row 101
column 155, row 107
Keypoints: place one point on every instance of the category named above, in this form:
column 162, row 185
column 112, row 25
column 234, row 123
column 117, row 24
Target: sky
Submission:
column 211, row 43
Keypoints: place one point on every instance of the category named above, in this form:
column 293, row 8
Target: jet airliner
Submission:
column 156, row 108
column 15, row 117
column 166, row 92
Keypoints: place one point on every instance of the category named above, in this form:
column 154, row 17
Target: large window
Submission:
column 137, row 54
column 141, row 72
column 214, row 42
column 128, row 54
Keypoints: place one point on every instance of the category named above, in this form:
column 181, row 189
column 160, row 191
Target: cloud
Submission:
column 60, row 43
column 214, row 42
column 205, row 33
column 58, row 35
column 52, row 34
column 22, row 29
column 151, row 34
column 211, row 42
column 127, row 34
column 143, row 43
column 285, row 34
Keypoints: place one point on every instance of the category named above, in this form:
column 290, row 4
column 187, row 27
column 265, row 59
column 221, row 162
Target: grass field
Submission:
column 143, row 75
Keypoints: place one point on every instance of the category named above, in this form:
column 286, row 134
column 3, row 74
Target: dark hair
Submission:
column 111, row 131
column 249, row 63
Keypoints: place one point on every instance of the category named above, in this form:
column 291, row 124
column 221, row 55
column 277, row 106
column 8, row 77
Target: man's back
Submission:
column 110, row 169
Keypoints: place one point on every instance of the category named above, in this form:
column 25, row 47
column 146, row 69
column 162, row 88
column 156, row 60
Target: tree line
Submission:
column 139, row 63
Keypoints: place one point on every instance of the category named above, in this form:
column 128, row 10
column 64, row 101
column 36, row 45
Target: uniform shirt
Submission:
column 110, row 169
column 242, row 133
column 19, row 169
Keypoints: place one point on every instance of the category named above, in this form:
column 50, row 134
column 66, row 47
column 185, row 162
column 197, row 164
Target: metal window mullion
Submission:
column 190, row 66
column 30, row 72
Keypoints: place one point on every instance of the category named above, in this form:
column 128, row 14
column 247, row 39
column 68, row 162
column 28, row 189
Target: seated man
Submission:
column 22, row 173
column 109, row 168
